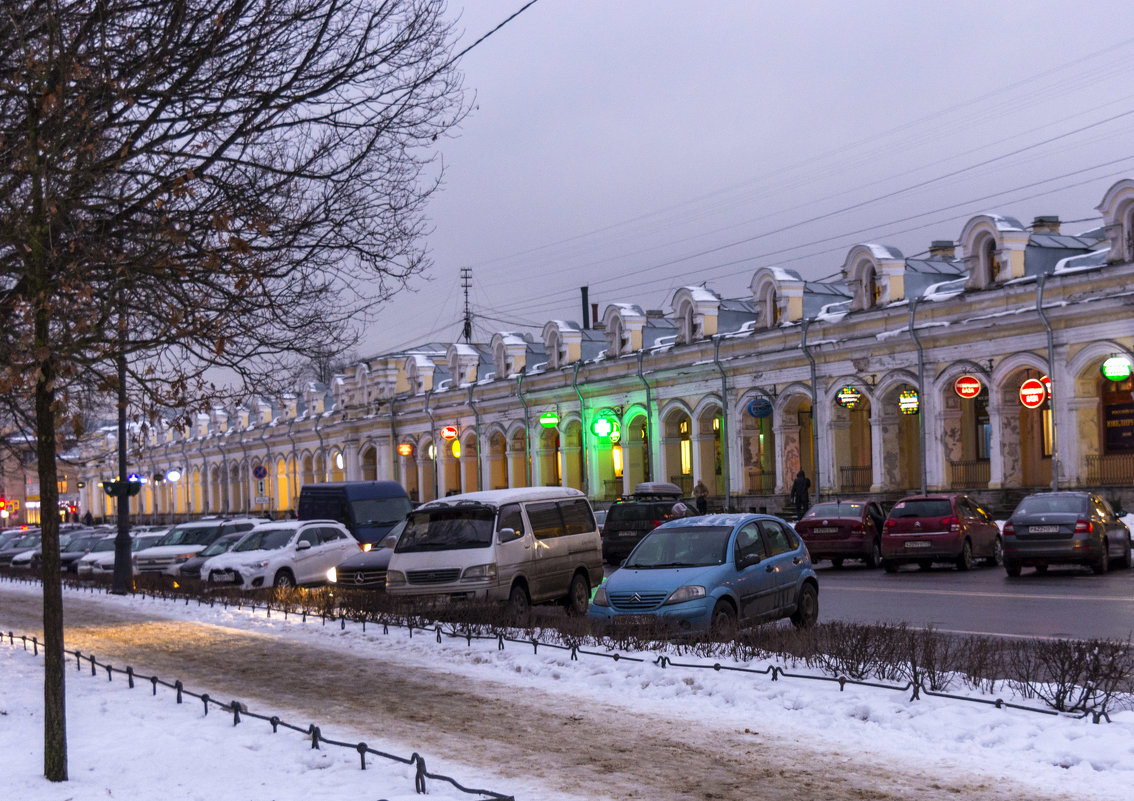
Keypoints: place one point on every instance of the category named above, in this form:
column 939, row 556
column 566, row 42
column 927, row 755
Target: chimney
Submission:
column 942, row 249
column 586, row 316
column 594, row 316
column 1045, row 225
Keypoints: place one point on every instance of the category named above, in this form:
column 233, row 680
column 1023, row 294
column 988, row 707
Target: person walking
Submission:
column 701, row 497
column 800, row 492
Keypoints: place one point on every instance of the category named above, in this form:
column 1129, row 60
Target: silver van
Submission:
column 523, row 546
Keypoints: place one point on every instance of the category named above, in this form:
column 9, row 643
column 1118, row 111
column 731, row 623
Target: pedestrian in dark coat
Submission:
column 701, row 497
column 800, row 493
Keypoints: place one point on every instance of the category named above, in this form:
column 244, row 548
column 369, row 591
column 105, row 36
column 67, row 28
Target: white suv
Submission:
column 285, row 553
column 184, row 541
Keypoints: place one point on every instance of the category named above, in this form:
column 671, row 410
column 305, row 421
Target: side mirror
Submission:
column 302, row 545
column 390, row 541
column 507, row 535
column 747, row 560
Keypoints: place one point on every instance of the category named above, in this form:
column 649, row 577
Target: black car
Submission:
column 635, row 516
column 75, row 549
column 191, row 568
column 367, row 570
column 27, row 543
column 1065, row 528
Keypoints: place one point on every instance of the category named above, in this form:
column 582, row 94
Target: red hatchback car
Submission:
column 839, row 530
column 923, row 529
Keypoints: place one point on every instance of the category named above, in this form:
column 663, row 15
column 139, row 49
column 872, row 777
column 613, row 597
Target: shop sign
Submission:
column 968, row 386
column 1118, row 423
column 449, row 433
column 1116, row 368
column 605, row 426
column 848, row 397
column 908, row 402
column 549, row 420
column 1033, row 393
column 760, row 407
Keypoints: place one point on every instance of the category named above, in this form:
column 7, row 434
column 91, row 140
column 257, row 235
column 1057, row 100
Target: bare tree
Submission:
column 194, row 184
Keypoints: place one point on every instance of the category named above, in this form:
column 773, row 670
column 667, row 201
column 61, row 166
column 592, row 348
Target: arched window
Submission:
column 871, row 291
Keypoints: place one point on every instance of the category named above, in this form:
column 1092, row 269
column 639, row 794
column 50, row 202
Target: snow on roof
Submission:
column 1083, row 261
column 944, row 290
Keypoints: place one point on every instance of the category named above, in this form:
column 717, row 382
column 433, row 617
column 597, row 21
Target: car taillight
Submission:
column 953, row 523
column 1083, row 527
column 1009, row 527
column 857, row 529
column 889, row 523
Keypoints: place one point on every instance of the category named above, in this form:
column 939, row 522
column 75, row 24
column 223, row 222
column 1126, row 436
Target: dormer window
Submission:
column 870, row 289
column 688, row 327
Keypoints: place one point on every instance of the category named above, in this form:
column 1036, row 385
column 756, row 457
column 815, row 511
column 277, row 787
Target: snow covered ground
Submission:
column 125, row 743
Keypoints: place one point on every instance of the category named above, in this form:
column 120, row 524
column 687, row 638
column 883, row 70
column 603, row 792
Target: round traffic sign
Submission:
column 968, row 386
column 259, row 471
column 1033, row 393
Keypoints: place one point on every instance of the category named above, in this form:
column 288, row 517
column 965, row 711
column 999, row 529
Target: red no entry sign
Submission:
column 1033, row 393
column 967, row 386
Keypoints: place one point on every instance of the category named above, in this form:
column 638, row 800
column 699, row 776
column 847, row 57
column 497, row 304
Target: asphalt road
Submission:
column 1064, row 602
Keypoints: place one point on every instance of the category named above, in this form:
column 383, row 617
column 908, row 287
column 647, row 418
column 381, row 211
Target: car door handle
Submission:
column 769, row 568
column 797, row 561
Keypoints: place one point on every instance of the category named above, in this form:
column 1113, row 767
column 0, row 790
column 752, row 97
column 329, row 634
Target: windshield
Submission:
column 29, row 542
column 105, row 544
column 266, row 539
column 655, row 512
column 445, row 529
column 222, row 545
column 930, row 507
column 81, row 544
column 191, row 535
column 1052, row 504
column 379, row 511
column 696, row 546
column 148, row 541
column 839, row 509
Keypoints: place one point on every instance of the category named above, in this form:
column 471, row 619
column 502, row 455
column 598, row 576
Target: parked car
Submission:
column 1077, row 528
column 100, row 561
column 285, row 553
column 368, row 509
column 712, row 573
column 10, row 536
column 520, row 546
column 631, row 518
column 367, row 570
column 191, row 568
column 840, row 530
column 923, row 529
column 69, row 555
column 186, row 540
column 29, row 542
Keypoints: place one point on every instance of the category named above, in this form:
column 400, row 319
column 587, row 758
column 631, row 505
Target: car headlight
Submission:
column 600, row 598
column 332, row 576
column 256, row 565
column 690, row 592
column 184, row 557
column 395, row 577
column 479, row 572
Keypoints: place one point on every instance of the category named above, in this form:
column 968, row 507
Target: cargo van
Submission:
column 369, row 509
column 522, row 546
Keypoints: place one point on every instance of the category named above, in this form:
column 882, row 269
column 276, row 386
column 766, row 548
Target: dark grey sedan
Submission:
column 1078, row 528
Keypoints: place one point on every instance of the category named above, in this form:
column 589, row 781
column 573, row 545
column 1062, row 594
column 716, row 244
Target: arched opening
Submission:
column 368, row 463
column 1106, row 429
column 450, row 466
column 852, row 441
column 468, row 458
column 708, row 450
column 408, row 473
column 901, row 438
column 990, row 265
column 338, row 466
column 758, row 447
column 309, row 469
column 550, row 474
column 519, row 465
column 427, row 469
column 967, row 433
column 677, row 449
column 216, row 491
column 497, row 461
column 283, row 486
column 571, row 448
column 196, row 499
column 1026, row 434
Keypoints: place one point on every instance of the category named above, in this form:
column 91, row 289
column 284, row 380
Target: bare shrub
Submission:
column 852, row 650
column 981, row 662
column 1074, row 675
column 925, row 658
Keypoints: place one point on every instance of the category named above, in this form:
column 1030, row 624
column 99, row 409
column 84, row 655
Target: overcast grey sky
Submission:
column 642, row 145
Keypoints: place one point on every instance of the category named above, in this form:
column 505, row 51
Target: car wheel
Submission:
column 578, row 596
column 284, row 580
column 806, row 607
column 519, row 604
column 889, row 566
column 997, row 558
column 965, row 560
column 1102, row 564
column 1012, row 569
column 1041, row 568
column 836, row 563
column 723, row 622
column 875, row 557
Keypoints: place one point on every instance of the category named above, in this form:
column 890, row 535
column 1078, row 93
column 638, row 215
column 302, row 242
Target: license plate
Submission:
column 1043, row 529
column 827, row 530
column 634, row 620
column 222, row 578
column 917, row 544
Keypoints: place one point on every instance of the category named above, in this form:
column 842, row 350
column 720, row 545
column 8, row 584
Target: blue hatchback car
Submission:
column 711, row 573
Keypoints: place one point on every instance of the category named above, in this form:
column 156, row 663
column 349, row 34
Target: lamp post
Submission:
column 123, row 570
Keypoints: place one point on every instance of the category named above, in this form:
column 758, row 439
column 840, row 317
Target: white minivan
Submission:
column 524, row 546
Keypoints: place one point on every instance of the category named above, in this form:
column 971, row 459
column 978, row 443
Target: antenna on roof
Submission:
column 466, row 284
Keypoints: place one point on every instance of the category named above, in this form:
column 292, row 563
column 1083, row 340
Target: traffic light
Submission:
column 3, row 504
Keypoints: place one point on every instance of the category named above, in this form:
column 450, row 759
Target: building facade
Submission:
column 974, row 366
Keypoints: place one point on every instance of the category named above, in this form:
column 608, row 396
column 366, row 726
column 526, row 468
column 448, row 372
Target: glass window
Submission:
column 929, row 507
column 328, row 534
column 775, row 538
column 310, row 535
column 577, row 517
column 545, row 519
column 444, row 528
column 748, row 542
column 510, row 517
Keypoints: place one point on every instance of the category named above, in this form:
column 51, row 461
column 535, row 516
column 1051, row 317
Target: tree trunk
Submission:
column 54, row 691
